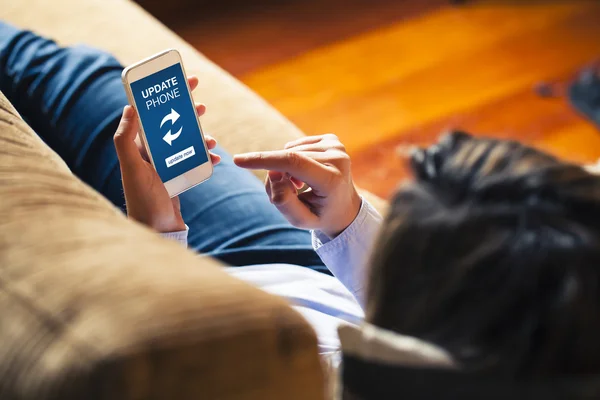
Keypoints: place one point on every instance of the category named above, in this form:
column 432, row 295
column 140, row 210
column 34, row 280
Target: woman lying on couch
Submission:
column 491, row 253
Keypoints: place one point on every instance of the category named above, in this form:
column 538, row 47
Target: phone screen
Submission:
column 169, row 121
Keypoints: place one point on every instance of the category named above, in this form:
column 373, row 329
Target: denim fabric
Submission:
column 73, row 98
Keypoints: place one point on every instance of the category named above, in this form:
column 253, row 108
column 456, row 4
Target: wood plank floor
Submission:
column 386, row 75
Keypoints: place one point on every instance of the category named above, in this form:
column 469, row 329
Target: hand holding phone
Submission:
column 148, row 200
column 169, row 128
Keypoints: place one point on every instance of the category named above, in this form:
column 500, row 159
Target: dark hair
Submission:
column 493, row 253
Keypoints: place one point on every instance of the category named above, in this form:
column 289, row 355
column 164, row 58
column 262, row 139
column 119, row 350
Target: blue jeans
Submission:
column 73, row 98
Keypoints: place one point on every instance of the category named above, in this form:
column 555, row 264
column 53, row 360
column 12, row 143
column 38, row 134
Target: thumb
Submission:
column 124, row 138
column 284, row 195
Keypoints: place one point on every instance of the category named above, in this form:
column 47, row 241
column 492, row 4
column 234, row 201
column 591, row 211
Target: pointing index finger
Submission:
column 300, row 166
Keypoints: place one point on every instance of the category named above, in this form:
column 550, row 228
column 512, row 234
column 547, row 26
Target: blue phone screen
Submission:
column 169, row 121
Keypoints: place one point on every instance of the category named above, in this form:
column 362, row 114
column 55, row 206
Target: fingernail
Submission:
column 275, row 176
column 127, row 111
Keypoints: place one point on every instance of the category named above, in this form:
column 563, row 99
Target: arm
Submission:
column 344, row 225
column 346, row 255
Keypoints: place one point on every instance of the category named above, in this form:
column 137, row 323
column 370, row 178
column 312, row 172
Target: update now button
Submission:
column 179, row 157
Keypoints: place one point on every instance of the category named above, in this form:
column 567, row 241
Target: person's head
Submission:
column 493, row 253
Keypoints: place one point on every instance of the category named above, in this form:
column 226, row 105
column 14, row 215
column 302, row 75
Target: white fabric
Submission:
column 178, row 236
column 323, row 300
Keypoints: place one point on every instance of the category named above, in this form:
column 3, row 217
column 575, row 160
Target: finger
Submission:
column 297, row 182
column 274, row 176
column 268, row 186
column 330, row 137
column 304, row 140
column 284, row 196
column 319, row 156
column 215, row 158
column 300, row 165
column 193, row 82
column 211, row 142
column 319, row 146
column 326, row 158
column 141, row 148
column 200, row 109
column 127, row 150
column 176, row 203
column 279, row 186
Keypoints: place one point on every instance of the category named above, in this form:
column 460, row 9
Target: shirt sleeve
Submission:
column 346, row 255
column 179, row 236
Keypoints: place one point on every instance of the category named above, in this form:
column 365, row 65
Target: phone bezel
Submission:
column 148, row 67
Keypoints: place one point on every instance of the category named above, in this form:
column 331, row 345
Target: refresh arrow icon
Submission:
column 170, row 137
column 173, row 116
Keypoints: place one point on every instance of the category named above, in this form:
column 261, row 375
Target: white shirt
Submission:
column 323, row 300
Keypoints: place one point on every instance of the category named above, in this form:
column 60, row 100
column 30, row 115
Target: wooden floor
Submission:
column 386, row 75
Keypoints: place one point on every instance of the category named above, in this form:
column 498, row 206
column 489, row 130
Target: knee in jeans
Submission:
column 93, row 57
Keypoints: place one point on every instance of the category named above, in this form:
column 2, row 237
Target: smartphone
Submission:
column 157, row 88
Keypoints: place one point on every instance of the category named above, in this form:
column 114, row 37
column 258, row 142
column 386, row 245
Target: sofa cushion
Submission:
column 95, row 306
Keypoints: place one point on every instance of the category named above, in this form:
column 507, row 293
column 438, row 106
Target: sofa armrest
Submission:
column 95, row 306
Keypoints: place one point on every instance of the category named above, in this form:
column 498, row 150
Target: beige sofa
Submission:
column 94, row 306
